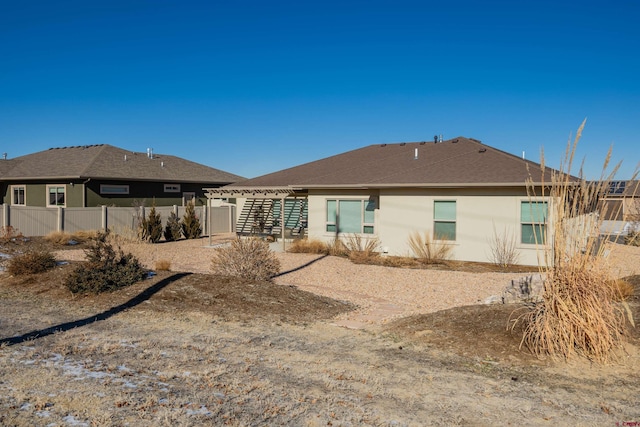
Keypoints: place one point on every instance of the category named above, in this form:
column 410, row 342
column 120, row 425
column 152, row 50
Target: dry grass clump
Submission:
column 362, row 249
column 308, row 246
column 579, row 313
column 428, row 250
column 622, row 290
column 163, row 265
column 31, row 263
column 249, row 259
column 337, row 248
column 63, row 238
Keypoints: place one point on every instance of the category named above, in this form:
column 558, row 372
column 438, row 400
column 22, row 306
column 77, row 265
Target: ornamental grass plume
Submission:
column 580, row 312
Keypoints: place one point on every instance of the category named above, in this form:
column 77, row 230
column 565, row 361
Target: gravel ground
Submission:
column 381, row 293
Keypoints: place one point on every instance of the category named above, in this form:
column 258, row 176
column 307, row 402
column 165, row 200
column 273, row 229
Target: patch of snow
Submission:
column 71, row 420
column 201, row 411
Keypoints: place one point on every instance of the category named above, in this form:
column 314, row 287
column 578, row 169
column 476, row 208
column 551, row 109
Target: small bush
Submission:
column 151, row 227
column 428, row 250
column 308, row 246
column 190, row 223
column 173, row 230
column 106, row 269
column 31, row 263
column 249, row 259
column 163, row 265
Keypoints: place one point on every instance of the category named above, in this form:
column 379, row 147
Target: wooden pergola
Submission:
column 273, row 193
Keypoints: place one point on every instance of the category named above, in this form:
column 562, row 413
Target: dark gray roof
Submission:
column 456, row 162
column 108, row 162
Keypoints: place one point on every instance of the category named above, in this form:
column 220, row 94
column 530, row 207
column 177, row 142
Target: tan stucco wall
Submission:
column 402, row 212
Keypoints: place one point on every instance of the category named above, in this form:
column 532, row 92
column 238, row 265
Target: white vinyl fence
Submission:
column 36, row 221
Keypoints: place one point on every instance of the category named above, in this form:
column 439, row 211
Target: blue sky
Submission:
column 252, row 87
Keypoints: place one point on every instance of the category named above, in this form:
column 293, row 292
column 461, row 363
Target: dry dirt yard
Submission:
column 330, row 343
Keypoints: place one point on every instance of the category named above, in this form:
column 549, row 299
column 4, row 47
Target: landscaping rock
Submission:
column 525, row 289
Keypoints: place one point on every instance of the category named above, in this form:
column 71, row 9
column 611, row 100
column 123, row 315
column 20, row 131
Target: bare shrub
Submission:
column 578, row 313
column 428, row 250
column 106, row 269
column 503, row 248
column 249, row 259
column 308, row 246
column 163, row 265
column 9, row 232
column 31, row 263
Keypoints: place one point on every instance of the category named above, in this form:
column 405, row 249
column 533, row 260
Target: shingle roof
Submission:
column 108, row 162
column 456, row 162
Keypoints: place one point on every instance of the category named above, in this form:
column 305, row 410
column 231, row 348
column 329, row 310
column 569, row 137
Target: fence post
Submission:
column 5, row 215
column 60, row 219
column 205, row 221
column 103, row 221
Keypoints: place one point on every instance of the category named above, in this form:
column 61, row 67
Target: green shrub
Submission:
column 106, row 269
column 190, row 223
column 31, row 263
column 151, row 227
column 247, row 259
column 173, row 230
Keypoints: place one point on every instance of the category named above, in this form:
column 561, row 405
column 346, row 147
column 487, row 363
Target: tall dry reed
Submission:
column 579, row 313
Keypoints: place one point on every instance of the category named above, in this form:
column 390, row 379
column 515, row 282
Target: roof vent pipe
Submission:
column 440, row 138
column 125, row 157
column 415, row 154
column 4, row 156
column 435, row 139
column 522, row 154
column 161, row 164
column 150, row 153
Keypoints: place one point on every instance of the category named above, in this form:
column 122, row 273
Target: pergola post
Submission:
column 282, row 224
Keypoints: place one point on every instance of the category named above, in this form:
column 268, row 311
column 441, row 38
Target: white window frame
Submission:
column 363, row 206
column 448, row 221
column 24, row 195
column 171, row 188
column 64, row 187
column 544, row 225
column 105, row 189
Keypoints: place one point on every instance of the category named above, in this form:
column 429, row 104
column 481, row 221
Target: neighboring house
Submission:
column 460, row 190
column 97, row 175
column 622, row 202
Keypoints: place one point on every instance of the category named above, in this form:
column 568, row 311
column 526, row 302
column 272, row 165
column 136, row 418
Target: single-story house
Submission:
column 104, row 175
column 461, row 191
